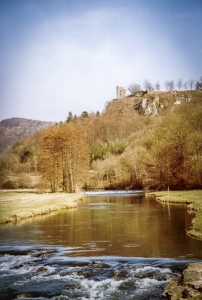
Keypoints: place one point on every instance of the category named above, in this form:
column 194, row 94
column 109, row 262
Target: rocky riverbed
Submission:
column 188, row 285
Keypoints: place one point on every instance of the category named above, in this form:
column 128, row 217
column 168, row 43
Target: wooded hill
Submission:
column 14, row 129
column 150, row 142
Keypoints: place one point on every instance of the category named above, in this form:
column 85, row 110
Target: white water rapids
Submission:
column 112, row 247
column 48, row 273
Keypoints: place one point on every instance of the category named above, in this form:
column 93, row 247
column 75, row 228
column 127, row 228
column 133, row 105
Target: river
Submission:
column 110, row 247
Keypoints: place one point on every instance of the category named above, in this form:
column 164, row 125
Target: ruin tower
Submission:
column 120, row 92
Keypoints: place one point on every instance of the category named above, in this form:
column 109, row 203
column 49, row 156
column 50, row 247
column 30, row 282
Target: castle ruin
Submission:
column 120, row 92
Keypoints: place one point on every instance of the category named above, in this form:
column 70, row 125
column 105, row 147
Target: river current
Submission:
column 110, row 247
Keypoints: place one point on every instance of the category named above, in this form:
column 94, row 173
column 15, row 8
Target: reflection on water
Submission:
column 112, row 226
column 108, row 248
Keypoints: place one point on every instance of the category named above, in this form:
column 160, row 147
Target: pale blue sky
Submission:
column 58, row 56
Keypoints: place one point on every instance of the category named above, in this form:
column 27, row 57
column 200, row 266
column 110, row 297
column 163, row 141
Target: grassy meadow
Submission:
column 15, row 205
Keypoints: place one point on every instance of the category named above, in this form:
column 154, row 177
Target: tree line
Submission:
column 169, row 85
column 114, row 150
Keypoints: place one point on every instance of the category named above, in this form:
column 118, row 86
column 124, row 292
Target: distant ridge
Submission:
column 14, row 129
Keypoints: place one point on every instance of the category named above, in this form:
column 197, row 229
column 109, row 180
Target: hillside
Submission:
column 14, row 129
column 151, row 142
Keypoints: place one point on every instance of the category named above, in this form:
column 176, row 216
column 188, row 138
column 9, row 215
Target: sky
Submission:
column 58, row 56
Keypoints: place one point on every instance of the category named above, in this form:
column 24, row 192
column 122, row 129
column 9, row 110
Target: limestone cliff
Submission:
column 149, row 104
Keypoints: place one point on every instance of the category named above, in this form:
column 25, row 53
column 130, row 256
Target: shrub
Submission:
column 9, row 184
column 23, row 182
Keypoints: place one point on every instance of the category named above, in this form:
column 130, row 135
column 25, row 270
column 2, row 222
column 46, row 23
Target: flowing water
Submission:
column 110, row 247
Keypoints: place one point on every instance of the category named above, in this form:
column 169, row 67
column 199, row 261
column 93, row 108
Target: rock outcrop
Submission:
column 187, row 286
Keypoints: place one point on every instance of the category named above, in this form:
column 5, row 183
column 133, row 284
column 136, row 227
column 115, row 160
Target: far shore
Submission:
column 19, row 205
column 193, row 200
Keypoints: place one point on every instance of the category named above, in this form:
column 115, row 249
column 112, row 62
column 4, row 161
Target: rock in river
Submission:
column 186, row 286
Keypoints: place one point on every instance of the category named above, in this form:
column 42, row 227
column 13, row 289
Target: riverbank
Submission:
column 187, row 285
column 193, row 200
column 18, row 205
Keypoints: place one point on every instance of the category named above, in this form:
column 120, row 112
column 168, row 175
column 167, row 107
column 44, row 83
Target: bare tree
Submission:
column 170, row 85
column 134, row 87
column 166, row 85
column 191, row 83
column 179, row 84
column 157, row 86
column 63, row 155
column 147, row 85
column 185, row 85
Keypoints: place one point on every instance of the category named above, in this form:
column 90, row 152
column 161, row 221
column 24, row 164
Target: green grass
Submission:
column 193, row 199
column 15, row 206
